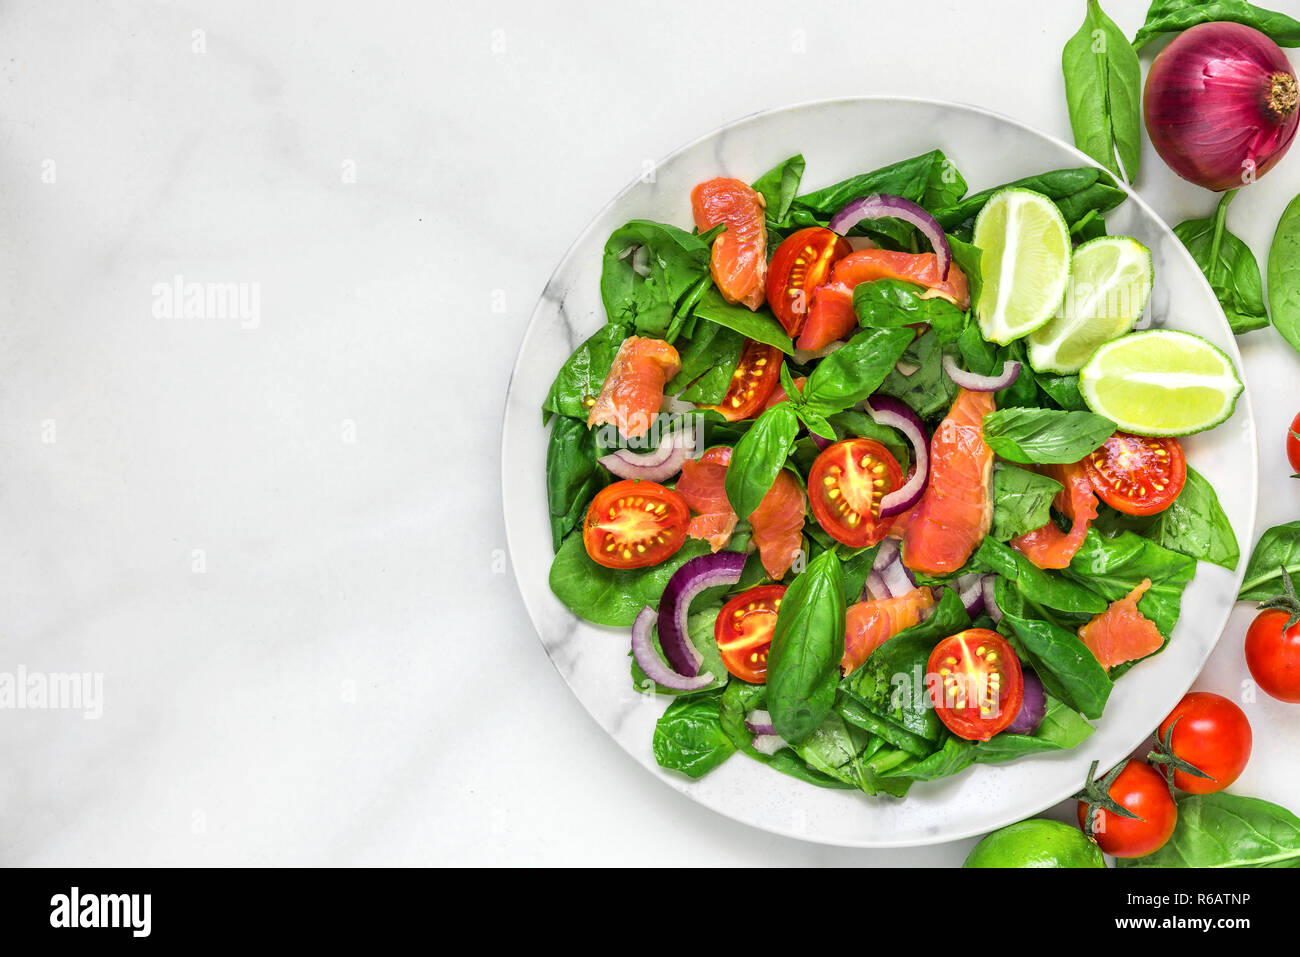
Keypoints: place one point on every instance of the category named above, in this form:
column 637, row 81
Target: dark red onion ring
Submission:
column 663, row 463
column 1032, row 709
column 705, row 571
column 982, row 383
column 643, row 650
column 884, row 206
column 892, row 412
column 760, row 722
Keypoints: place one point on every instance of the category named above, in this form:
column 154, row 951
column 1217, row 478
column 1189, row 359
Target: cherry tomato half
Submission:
column 800, row 264
column 756, row 376
column 975, row 683
column 1141, row 789
column 1273, row 654
column 1211, row 734
column 845, row 485
column 1293, row 445
column 1137, row 475
column 743, row 631
column 632, row 524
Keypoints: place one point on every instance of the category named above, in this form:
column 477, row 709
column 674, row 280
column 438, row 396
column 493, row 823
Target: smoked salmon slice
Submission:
column 1049, row 547
column 1122, row 633
column 830, row 311
column 777, row 522
column 871, row 623
column 955, row 512
column 634, row 389
column 738, row 261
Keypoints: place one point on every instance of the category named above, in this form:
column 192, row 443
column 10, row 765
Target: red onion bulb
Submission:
column 1220, row 105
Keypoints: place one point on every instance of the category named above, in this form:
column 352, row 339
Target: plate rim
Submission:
column 530, row 327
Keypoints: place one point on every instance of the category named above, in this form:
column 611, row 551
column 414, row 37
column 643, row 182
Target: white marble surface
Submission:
column 279, row 539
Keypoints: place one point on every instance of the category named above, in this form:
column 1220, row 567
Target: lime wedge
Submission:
column 1024, row 263
column 1110, row 282
column 1161, row 382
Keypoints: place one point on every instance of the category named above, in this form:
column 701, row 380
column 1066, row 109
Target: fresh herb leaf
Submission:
column 779, row 186
column 1022, row 501
column 1103, row 89
column 1113, row 567
column 1174, row 16
column 740, row 699
column 1041, row 589
column 758, row 458
column 892, row 304
column 760, row 326
column 648, row 267
column 928, row 390
column 1045, row 436
column 1278, row 547
column 583, row 373
column 610, row 596
column 689, row 737
column 1227, row 830
column 1196, row 525
column 854, row 372
column 1229, row 265
column 573, row 476
column 1062, row 728
column 807, row 644
column 1284, row 275
column 708, row 361
column 1076, row 192
column 1063, row 390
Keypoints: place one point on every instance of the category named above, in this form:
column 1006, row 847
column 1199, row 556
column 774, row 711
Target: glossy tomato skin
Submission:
column 1212, row 734
column 1293, row 445
column 845, row 486
column 1141, row 789
column 975, row 683
column 743, row 631
column 757, row 374
column 800, row 264
column 1273, row 654
column 1137, row 475
column 634, row 524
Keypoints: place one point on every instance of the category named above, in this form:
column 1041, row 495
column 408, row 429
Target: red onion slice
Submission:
column 874, row 589
column 1033, row 707
column 990, row 601
column 663, row 463
column 760, row 722
column 886, row 410
column 768, row 743
column 884, row 206
column 898, row 580
column 982, row 383
column 970, row 589
column 705, row 571
column 648, row 660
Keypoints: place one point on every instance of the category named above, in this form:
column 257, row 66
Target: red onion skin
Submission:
column 1032, row 709
column 1220, row 105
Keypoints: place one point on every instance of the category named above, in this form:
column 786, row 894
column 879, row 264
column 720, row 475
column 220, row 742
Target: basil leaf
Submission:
column 928, row 390
column 708, row 361
column 1174, row 16
column 1284, row 275
column 1278, row 547
column 760, row 326
column 967, row 257
column 738, row 700
column 573, row 476
column 1227, row 830
column 1045, row 435
column 1196, row 525
column 1103, row 90
column 1229, row 265
column 1076, row 192
column 853, row 373
column 929, row 180
column 1062, row 728
column 892, row 303
column 583, row 373
column 1113, row 567
column 758, row 458
column 807, row 644
column 611, row 596
column 1063, row 390
column 1039, row 587
column 689, row 737
column 673, row 261
column 779, row 186
column 1022, row 501
column 955, row 756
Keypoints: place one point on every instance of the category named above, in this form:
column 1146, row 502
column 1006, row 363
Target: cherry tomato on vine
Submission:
column 1211, row 734
column 1293, row 445
column 1273, row 646
column 1141, row 789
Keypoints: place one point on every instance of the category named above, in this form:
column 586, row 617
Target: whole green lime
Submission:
column 1036, row 843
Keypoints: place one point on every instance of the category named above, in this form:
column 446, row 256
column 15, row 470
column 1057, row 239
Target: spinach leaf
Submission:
column 929, row 180
column 573, row 476
column 1063, row 390
column 579, row 380
column 857, row 567
column 689, row 737
column 841, row 751
column 807, row 644
column 1103, row 89
column 1229, row 265
column 860, row 716
column 1022, row 501
column 928, row 390
column 1227, row 830
column 1062, row 728
column 956, row 755
column 850, row 423
column 761, row 326
column 738, row 700
column 1115, row 566
column 1076, row 192
column 1067, row 668
column 1278, row 547
column 1196, row 525
column 852, row 373
column 611, row 596
column 1284, row 275
column 648, row 267
column 892, row 303
column 759, row 457
column 1023, row 392
column 700, row 628
column 779, row 186
column 708, row 361
column 1045, row 435
column 967, row 257
column 1174, row 16
column 1040, row 588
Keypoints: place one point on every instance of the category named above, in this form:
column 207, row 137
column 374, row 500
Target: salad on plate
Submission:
column 884, row 478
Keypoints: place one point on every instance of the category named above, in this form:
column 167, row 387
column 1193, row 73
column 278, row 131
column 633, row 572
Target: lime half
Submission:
column 1024, row 263
column 1110, row 282
column 1161, row 382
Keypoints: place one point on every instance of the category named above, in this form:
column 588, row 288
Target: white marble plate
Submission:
column 840, row 138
